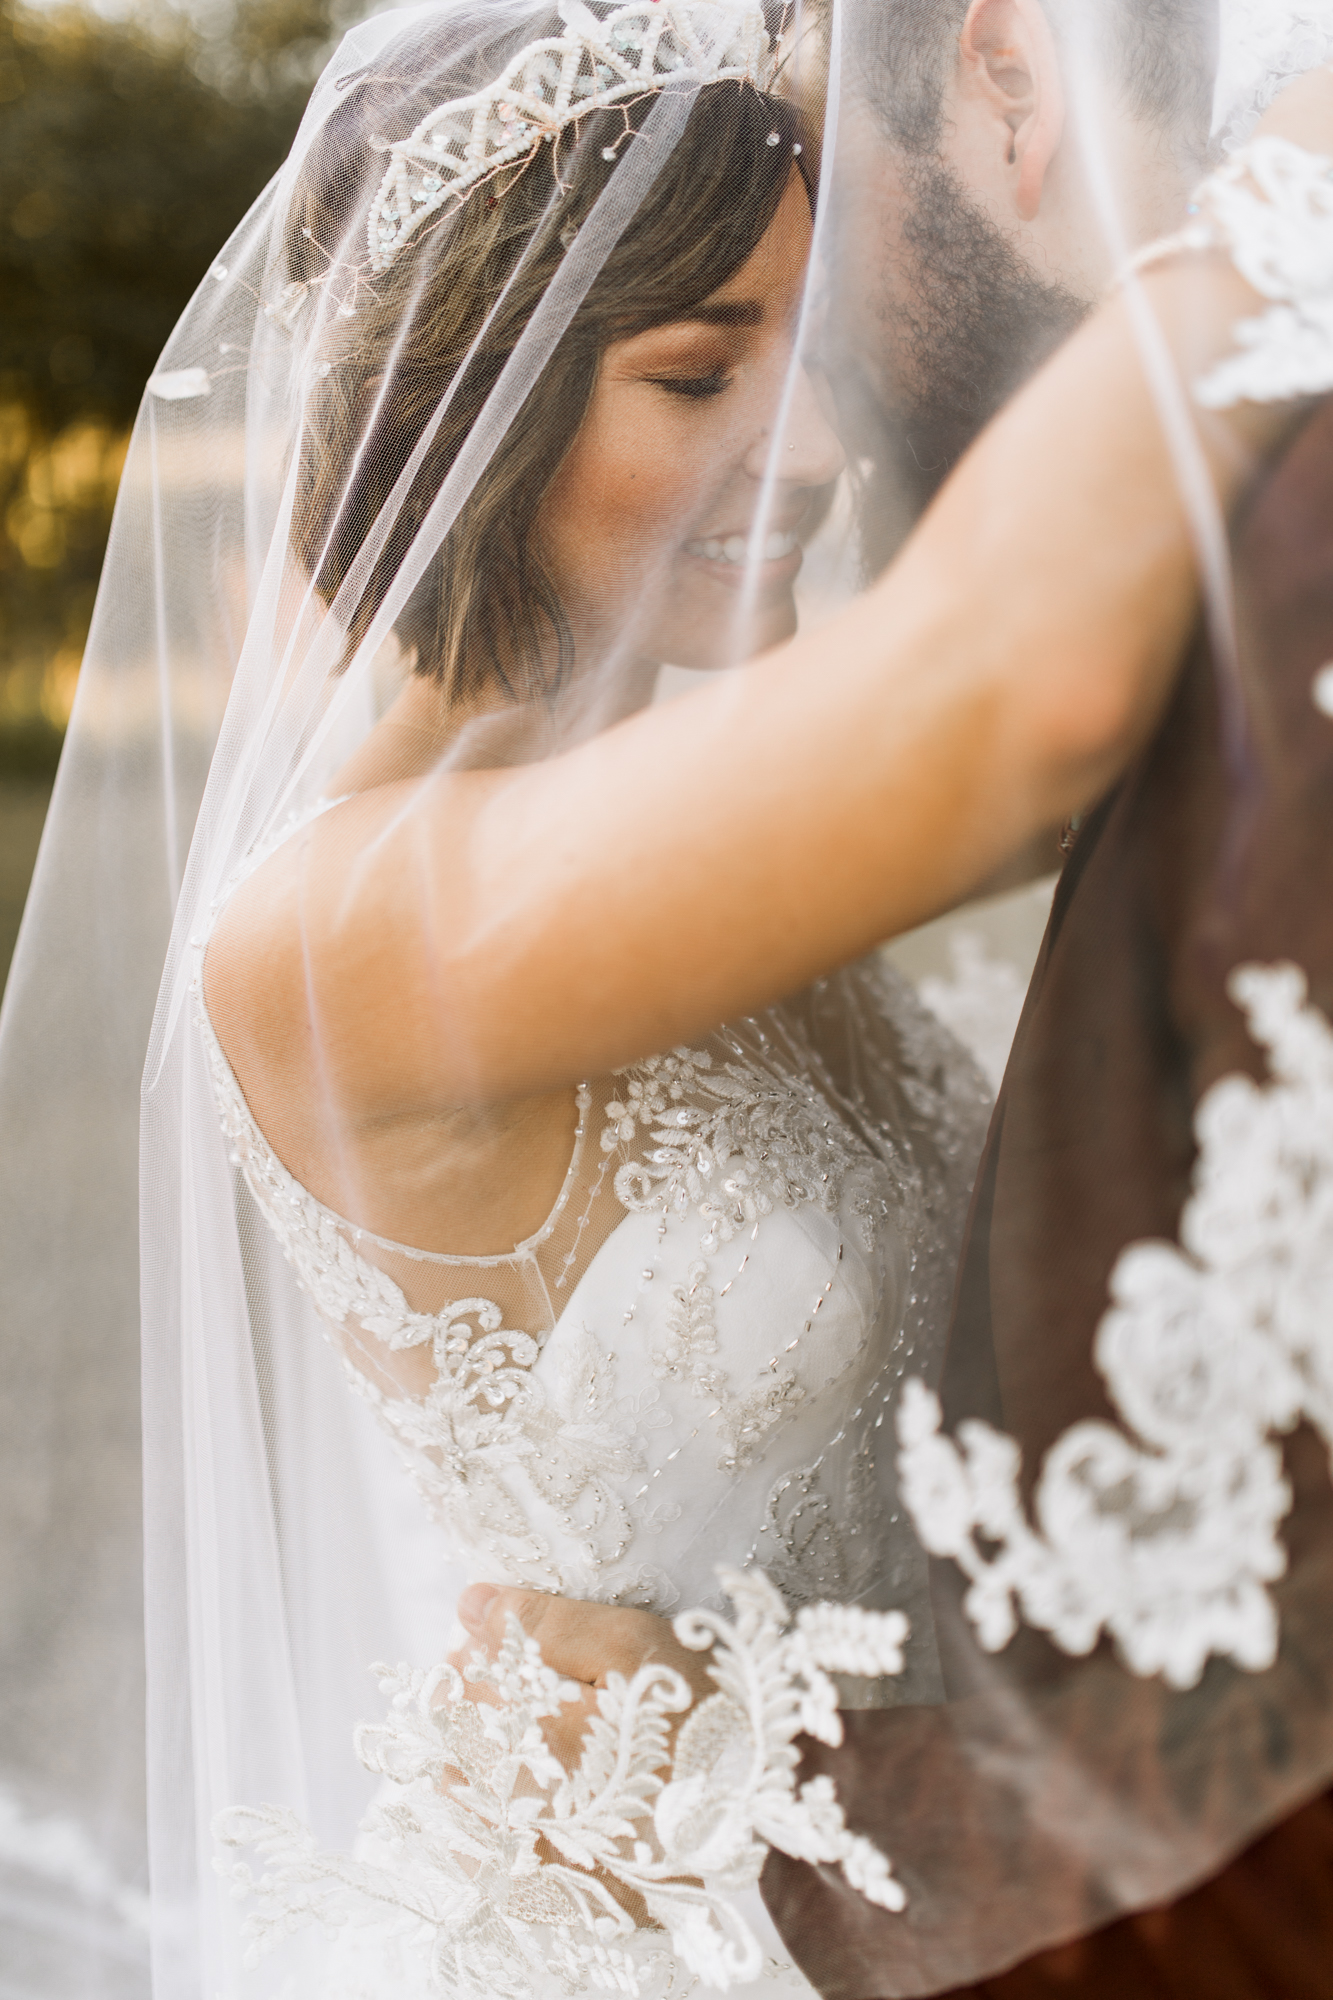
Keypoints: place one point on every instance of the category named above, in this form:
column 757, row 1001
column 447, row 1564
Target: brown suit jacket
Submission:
column 1217, row 849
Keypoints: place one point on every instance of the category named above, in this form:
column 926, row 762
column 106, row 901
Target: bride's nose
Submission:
column 807, row 452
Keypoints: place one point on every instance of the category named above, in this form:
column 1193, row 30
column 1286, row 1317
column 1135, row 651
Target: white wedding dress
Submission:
column 693, row 1362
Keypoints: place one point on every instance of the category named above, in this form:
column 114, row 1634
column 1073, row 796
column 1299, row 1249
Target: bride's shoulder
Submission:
column 299, row 950
column 258, row 918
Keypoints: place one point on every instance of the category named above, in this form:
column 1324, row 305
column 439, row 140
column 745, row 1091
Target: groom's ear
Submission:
column 1009, row 78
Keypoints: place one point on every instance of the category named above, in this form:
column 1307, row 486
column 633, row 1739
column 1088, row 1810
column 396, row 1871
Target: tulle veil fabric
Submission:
column 276, row 1550
column 209, row 716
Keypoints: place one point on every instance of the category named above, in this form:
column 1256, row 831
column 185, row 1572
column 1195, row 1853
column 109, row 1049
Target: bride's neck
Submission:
column 421, row 731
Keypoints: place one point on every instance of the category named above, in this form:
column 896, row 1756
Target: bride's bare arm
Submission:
column 477, row 936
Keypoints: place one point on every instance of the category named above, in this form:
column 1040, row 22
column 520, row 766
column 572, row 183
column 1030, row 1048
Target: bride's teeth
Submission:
column 736, row 548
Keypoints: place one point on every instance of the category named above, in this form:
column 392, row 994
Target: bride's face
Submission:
column 671, row 476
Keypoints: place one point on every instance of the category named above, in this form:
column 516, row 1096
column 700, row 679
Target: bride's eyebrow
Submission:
column 726, row 312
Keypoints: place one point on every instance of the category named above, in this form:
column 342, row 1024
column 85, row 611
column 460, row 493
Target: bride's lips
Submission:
column 729, row 557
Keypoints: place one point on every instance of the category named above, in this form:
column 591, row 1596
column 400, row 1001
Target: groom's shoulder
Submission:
column 1214, row 852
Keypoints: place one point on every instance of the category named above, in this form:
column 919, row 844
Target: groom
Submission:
column 961, row 146
column 958, row 152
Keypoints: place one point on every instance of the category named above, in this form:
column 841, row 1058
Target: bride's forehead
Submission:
column 774, row 268
column 757, row 295
column 718, row 315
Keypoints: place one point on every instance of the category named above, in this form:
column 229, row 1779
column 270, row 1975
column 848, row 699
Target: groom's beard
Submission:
column 970, row 322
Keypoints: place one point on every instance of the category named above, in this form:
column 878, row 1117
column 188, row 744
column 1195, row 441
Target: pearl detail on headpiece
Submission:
column 552, row 83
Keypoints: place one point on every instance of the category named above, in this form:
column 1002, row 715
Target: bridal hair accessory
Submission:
column 1270, row 209
column 552, row 83
column 478, row 1792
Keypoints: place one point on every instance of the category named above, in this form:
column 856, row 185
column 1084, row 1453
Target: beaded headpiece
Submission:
column 551, row 83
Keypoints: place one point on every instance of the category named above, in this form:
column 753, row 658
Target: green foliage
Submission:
column 29, row 751
column 270, row 49
column 128, row 152
column 121, row 172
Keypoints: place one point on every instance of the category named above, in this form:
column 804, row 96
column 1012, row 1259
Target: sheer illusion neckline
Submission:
column 527, row 1247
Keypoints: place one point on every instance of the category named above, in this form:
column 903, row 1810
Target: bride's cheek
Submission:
column 657, row 508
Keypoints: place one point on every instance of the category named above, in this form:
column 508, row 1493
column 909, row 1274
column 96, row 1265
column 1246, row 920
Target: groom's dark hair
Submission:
column 1165, row 51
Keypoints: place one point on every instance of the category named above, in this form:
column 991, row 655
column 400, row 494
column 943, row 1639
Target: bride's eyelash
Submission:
column 695, row 386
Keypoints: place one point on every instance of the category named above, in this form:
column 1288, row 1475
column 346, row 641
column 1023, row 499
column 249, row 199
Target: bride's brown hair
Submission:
column 485, row 616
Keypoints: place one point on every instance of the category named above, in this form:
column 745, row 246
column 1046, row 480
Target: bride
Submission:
column 701, row 1260
column 623, row 1320
column 501, row 1036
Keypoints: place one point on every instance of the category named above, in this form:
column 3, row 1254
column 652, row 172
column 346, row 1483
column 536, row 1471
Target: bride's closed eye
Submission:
column 693, row 358
column 695, row 386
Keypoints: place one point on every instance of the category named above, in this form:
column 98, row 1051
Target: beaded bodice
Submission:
column 711, row 1379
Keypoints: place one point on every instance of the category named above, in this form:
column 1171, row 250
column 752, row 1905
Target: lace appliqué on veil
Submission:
column 730, row 1141
column 1264, row 47
column 508, row 1877
column 1270, row 208
column 1165, row 1535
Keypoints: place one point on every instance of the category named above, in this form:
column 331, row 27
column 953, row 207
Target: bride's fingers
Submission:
column 1303, row 112
column 565, row 1732
column 584, row 1642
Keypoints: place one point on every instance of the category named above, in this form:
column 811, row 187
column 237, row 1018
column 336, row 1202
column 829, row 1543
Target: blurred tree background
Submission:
column 130, row 146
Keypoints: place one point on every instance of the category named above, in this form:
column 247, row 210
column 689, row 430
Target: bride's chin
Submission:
column 715, row 648
column 771, row 628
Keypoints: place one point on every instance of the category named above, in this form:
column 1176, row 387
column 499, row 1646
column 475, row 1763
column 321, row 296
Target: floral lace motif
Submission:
column 485, row 1415
column 689, row 1352
column 1166, row 1537
column 682, row 1832
column 731, row 1141
column 1264, row 47
column 492, row 1449
column 826, row 1528
column 486, row 1433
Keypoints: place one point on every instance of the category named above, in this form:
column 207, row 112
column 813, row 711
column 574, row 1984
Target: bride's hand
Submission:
column 586, row 1643
column 1302, row 113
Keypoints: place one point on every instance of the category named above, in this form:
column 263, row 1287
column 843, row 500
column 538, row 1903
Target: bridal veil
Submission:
column 334, row 483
